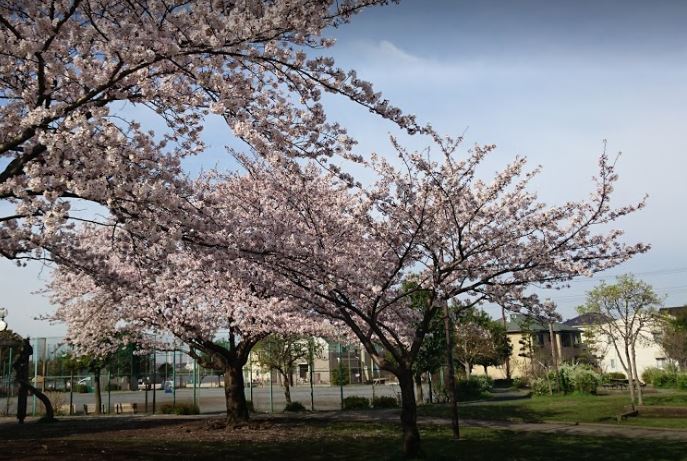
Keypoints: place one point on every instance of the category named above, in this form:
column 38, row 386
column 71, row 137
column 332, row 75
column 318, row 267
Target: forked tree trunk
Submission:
column 630, row 376
column 237, row 409
column 411, row 435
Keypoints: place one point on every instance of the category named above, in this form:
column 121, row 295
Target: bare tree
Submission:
column 625, row 311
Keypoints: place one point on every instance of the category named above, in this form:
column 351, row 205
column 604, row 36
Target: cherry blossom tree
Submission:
column 68, row 67
column 135, row 299
column 459, row 239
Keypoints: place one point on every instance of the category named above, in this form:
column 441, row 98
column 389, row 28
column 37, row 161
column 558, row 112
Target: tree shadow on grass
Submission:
column 361, row 441
column 66, row 426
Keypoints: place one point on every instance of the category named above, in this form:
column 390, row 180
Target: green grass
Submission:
column 570, row 408
column 375, row 441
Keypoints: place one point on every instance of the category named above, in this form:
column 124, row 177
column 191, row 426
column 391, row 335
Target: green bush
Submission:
column 618, row 375
column 681, row 381
column 112, row 387
column 540, row 386
column 294, row 407
column 577, row 378
column 472, row 388
column 339, row 380
column 82, row 388
column 650, row 374
column 385, row 402
column 520, row 383
column 355, row 402
column 180, row 409
column 665, row 379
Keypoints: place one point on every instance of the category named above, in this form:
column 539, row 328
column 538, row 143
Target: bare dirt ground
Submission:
column 142, row 438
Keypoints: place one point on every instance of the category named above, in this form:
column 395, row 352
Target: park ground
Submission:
column 547, row 428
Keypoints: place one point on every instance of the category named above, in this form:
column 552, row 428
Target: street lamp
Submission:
column 3, row 314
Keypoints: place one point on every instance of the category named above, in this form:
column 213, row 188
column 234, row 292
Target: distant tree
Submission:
column 674, row 338
column 625, row 312
column 500, row 347
column 474, row 341
column 282, row 352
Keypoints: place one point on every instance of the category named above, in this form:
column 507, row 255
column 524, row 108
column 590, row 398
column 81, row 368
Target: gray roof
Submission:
column 587, row 319
column 521, row 323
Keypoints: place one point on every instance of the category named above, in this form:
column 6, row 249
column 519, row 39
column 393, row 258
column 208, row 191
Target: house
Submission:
column 532, row 347
column 607, row 357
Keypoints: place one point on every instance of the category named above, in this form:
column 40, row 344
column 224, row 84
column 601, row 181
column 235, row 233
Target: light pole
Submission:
column 3, row 314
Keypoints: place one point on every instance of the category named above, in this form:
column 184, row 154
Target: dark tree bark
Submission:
column 21, row 368
column 234, row 395
column 411, row 435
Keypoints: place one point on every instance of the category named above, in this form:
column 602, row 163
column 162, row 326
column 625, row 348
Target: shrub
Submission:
column 520, row 383
column 650, row 374
column 578, row 378
column 619, row 375
column 664, row 379
column 385, row 401
column 112, row 387
column 540, row 386
column 472, row 388
column 681, row 381
column 180, row 409
column 355, row 402
column 294, row 407
column 82, row 388
column 339, row 380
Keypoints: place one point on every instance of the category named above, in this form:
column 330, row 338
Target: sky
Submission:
column 549, row 80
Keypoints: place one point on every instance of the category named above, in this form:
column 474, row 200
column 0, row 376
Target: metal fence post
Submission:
column 109, row 390
column 271, row 396
column 35, row 374
column 174, row 377
column 341, row 381
column 195, row 383
column 9, row 383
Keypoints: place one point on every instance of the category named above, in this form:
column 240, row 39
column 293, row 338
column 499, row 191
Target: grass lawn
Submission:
column 580, row 408
column 305, row 441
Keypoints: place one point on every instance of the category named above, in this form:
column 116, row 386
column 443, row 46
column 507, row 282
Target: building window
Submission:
column 613, row 364
column 540, row 339
column 565, row 339
column 661, row 362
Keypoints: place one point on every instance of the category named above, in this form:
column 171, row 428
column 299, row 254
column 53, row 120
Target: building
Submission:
column 610, row 357
column 531, row 341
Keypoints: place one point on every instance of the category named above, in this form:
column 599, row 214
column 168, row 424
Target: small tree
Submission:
column 474, row 341
column 282, row 352
column 674, row 338
column 500, row 347
column 625, row 312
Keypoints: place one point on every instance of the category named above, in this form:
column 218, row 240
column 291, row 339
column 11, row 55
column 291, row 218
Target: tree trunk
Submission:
column 640, row 397
column 630, row 376
column 98, row 396
column 418, row 386
column 287, row 388
column 411, row 435
column 237, row 409
column 468, row 370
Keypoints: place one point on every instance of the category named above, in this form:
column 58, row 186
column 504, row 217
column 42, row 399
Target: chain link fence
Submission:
column 157, row 382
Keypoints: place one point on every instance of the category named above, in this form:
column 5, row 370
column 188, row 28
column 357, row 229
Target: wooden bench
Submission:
column 89, row 409
column 121, row 408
